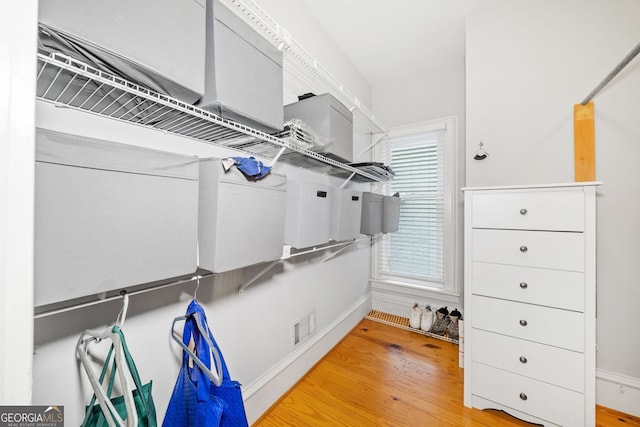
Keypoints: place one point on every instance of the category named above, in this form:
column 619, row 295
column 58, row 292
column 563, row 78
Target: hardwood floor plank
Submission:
column 379, row 375
column 608, row 417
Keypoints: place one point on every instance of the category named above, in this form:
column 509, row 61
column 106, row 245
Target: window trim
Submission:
column 451, row 254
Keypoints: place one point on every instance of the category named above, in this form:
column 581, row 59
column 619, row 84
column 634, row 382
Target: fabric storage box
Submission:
column 308, row 214
column 372, row 213
column 390, row 214
column 347, row 210
column 244, row 80
column 240, row 222
column 157, row 43
column 331, row 121
column 110, row 215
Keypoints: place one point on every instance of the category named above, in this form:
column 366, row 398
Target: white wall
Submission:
column 254, row 330
column 528, row 63
column 422, row 95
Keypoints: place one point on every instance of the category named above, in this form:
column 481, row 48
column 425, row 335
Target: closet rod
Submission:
column 115, row 297
column 613, row 73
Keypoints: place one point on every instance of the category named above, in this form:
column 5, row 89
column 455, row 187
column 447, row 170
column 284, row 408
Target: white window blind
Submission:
column 415, row 253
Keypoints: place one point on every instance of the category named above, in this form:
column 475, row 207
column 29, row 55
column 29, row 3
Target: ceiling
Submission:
column 384, row 37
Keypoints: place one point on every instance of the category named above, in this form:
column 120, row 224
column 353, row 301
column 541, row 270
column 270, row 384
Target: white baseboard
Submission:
column 260, row 395
column 618, row 392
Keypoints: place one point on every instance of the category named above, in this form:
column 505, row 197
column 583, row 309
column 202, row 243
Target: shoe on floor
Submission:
column 440, row 322
column 427, row 319
column 416, row 317
column 453, row 328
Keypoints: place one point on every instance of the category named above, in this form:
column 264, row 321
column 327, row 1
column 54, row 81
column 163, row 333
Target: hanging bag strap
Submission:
column 143, row 412
column 109, row 412
column 196, row 373
column 112, row 377
column 205, row 344
column 233, row 414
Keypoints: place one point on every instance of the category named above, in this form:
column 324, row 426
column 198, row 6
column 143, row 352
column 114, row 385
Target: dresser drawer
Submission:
column 553, row 288
column 545, row 325
column 550, row 364
column 534, row 210
column 545, row 249
column 548, row 402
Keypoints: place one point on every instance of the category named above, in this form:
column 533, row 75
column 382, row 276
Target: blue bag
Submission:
column 196, row 400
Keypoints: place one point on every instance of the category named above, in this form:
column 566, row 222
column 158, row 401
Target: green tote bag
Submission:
column 144, row 406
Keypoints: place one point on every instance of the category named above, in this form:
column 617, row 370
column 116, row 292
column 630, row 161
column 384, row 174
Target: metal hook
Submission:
column 123, row 311
column 481, row 154
column 195, row 293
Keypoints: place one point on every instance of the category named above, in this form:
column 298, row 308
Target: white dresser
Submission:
column 530, row 309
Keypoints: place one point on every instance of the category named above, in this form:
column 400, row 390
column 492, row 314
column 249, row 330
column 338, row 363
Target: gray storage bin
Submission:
column 347, row 210
column 331, row 121
column 372, row 213
column 110, row 215
column 308, row 214
column 390, row 214
column 244, row 79
column 240, row 222
column 164, row 40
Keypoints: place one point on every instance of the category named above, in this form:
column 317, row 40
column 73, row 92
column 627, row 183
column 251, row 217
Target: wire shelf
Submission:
column 397, row 315
column 71, row 83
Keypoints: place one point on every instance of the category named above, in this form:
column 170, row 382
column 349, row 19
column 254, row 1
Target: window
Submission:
column 421, row 252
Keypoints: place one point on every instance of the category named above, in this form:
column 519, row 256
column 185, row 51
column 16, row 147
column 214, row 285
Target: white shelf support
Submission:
column 257, row 276
column 336, row 253
column 377, row 138
column 287, row 254
column 344, row 184
column 277, row 157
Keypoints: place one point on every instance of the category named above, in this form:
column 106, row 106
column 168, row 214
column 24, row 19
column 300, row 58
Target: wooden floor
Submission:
column 379, row 375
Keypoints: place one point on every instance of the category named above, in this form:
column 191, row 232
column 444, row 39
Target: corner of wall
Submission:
column 618, row 392
column 269, row 388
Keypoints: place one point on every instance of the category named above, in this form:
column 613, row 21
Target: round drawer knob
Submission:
column 523, row 249
column 523, row 359
column 523, row 211
column 523, row 322
column 524, row 285
column 523, row 396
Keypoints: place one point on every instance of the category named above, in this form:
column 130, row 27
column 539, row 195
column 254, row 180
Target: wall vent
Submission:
column 304, row 328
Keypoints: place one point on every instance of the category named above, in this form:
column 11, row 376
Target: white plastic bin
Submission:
column 109, row 216
column 347, row 212
column 240, row 222
column 331, row 121
column 164, row 39
column 372, row 213
column 390, row 214
column 308, row 214
column 244, row 79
